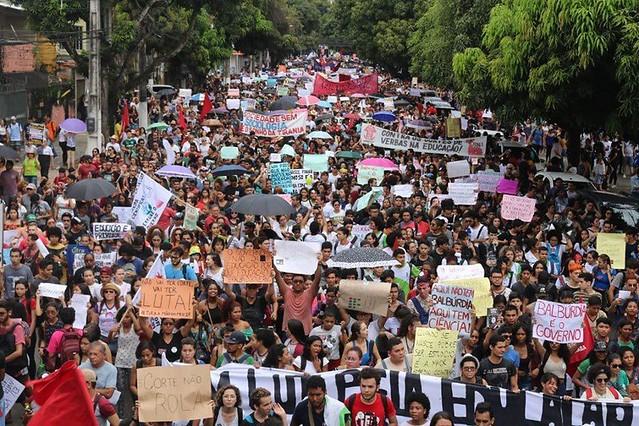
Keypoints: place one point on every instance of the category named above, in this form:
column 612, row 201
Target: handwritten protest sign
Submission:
column 614, row 245
column 316, row 162
column 453, row 272
column 80, row 302
column 232, row 104
column 229, row 152
column 405, row 191
column 280, row 174
column 482, row 298
column 290, row 123
column 507, row 186
column 558, row 322
column 12, row 390
column 522, row 208
column 296, row 257
column 434, row 351
column 174, row 393
column 364, row 173
column 488, row 180
column 166, row 298
column 301, row 178
column 233, row 93
column 244, row 266
column 109, row 231
column 275, row 157
column 364, row 296
column 105, row 259
column 463, row 193
column 360, row 232
column 51, row 290
column 451, row 308
column 458, row 168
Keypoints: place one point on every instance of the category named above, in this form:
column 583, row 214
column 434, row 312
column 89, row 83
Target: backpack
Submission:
column 350, row 401
column 230, row 360
column 8, row 345
column 69, row 347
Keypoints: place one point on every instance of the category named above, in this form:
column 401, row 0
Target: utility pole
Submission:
column 94, row 86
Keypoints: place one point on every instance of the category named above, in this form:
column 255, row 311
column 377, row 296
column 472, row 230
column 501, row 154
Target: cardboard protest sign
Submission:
column 296, row 257
column 12, row 390
column 301, row 178
column 434, row 351
column 174, row 393
column 614, row 245
column 51, row 290
column 247, row 266
column 166, row 298
column 507, row 186
column 289, row 123
column 229, row 152
column 364, row 173
column 80, row 302
column 109, row 231
column 453, row 272
column 488, row 180
column 522, row 208
column 464, row 194
column 364, row 296
column 558, row 322
column 389, row 139
column 280, row 174
column 451, row 308
column 453, row 127
column 482, row 297
column 316, row 162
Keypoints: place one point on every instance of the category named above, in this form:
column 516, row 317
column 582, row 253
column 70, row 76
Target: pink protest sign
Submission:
column 507, row 186
column 522, row 208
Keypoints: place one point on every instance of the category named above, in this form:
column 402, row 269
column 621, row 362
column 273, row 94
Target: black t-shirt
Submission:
column 172, row 349
column 497, row 374
column 254, row 313
column 271, row 420
column 300, row 415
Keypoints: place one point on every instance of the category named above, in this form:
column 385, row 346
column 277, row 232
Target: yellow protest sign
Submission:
column 483, row 299
column 614, row 245
column 174, row 393
column 434, row 351
column 166, row 298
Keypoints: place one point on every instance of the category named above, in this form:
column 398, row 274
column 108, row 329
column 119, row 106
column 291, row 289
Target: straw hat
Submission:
column 110, row 286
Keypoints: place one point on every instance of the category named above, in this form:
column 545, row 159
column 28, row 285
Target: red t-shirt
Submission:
column 370, row 415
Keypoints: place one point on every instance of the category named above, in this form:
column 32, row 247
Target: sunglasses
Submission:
column 109, row 291
column 601, row 380
column 615, row 365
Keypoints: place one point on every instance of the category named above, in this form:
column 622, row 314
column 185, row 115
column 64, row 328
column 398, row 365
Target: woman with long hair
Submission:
column 278, row 356
column 107, row 312
column 555, row 358
column 359, row 339
column 407, row 329
column 213, row 267
column 236, row 321
column 618, row 377
column 212, row 307
column 228, row 407
column 528, row 369
column 313, row 359
column 296, row 337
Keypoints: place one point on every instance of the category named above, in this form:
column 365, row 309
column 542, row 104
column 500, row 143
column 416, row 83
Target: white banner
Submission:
column 383, row 138
column 458, row 399
column 149, row 201
column 109, row 231
column 558, row 322
column 291, row 123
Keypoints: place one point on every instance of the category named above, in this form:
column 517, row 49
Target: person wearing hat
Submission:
column 107, row 310
column 77, row 229
column 235, row 351
column 30, row 165
column 598, row 354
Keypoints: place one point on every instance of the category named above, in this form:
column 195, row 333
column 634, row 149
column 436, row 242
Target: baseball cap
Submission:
column 76, row 220
column 235, row 338
column 31, row 218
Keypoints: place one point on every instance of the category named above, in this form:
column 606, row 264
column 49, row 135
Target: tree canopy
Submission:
column 573, row 62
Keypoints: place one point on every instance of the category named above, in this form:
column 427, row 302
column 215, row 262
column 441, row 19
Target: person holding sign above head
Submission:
column 167, row 341
column 298, row 301
column 265, row 412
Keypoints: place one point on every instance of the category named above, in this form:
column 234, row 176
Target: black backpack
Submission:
column 8, row 345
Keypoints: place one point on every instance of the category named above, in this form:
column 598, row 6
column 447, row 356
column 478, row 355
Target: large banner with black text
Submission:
column 288, row 389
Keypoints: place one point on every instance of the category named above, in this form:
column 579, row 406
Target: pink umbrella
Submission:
column 358, row 96
column 353, row 116
column 308, row 100
column 383, row 163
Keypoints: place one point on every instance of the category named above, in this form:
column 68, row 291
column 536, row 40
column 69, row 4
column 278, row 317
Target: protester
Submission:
column 104, row 410
column 418, row 408
column 484, row 415
column 265, row 412
column 105, row 372
column 369, row 407
column 318, row 408
column 228, row 406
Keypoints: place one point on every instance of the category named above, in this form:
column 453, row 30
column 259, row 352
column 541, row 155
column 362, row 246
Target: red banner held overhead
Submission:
column 365, row 85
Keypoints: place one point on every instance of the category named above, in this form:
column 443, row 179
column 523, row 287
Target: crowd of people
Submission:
column 296, row 323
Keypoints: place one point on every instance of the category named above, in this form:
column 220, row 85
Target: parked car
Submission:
column 624, row 207
column 581, row 183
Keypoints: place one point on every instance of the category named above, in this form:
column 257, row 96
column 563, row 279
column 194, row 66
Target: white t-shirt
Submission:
column 330, row 340
column 309, row 367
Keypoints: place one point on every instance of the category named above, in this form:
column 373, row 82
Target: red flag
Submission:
column 125, row 116
column 206, row 107
column 63, row 398
column 582, row 351
column 181, row 120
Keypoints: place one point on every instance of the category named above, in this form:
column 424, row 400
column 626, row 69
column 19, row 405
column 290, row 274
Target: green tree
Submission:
column 445, row 27
column 573, row 62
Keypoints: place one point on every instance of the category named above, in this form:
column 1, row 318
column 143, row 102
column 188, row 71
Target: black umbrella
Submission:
column 284, row 103
column 8, row 153
column 229, row 170
column 361, row 257
column 263, row 204
column 401, row 102
column 90, row 189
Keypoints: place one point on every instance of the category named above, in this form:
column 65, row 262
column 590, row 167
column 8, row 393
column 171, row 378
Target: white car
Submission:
column 579, row 181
